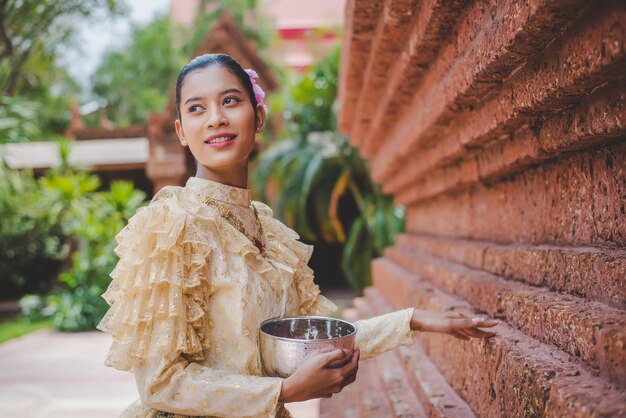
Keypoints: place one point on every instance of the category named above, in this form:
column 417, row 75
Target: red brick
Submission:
column 510, row 374
column 590, row 332
column 570, row 68
column 578, row 202
column 432, row 22
column 389, row 38
column 361, row 18
column 588, row 272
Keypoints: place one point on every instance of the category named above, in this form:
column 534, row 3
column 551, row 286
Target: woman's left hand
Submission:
column 453, row 323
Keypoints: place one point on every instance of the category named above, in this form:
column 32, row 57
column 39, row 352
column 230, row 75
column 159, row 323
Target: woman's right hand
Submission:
column 317, row 378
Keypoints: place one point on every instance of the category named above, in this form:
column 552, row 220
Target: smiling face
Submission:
column 217, row 120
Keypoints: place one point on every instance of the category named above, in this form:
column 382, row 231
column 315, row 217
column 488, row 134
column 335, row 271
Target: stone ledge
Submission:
column 388, row 41
column 508, row 375
column 432, row 24
column 596, row 122
column 361, row 18
column 481, row 58
column 431, row 388
column 572, row 202
column 593, row 273
column 544, row 86
column 588, row 331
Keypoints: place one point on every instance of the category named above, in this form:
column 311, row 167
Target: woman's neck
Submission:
column 236, row 176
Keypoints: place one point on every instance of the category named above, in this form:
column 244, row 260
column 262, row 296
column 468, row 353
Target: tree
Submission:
column 136, row 78
column 35, row 28
column 325, row 191
column 30, row 78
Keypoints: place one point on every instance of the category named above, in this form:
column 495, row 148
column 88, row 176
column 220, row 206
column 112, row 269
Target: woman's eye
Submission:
column 194, row 108
column 230, row 99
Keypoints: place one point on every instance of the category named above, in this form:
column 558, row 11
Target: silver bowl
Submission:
column 287, row 342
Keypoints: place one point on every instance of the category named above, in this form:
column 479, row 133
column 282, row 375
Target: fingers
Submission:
column 482, row 322
column 459, row 335
column 478, row 333
column 333, row 356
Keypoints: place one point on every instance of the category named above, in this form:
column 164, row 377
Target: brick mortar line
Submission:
column 547, row 382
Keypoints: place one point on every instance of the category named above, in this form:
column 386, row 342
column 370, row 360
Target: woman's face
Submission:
column 217, row 119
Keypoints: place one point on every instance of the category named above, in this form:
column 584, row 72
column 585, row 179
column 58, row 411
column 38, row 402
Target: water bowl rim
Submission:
column 316, row 341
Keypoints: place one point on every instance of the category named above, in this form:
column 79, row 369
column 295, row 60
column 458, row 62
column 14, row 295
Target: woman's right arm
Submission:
column 182, row 387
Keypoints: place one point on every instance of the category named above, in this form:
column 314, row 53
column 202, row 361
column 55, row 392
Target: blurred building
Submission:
column 305, row 29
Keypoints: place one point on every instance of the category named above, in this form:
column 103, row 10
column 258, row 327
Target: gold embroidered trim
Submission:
column 232, row 219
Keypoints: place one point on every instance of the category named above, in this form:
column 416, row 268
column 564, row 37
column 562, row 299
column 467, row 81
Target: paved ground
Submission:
column 49, row 374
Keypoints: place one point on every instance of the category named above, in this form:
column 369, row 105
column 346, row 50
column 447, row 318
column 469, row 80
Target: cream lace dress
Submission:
column 188, row 295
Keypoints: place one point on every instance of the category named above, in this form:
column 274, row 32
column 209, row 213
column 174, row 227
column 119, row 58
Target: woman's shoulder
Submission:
column 164, row 216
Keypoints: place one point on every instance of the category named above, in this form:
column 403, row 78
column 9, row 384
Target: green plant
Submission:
column 325, row 190
column 30, row 240
column 87, row 220
column 79, row 305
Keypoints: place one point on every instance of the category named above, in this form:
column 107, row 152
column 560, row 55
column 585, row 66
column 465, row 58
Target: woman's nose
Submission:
column 216, row 118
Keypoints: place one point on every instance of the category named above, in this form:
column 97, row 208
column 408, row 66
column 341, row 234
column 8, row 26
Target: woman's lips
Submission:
column 222, row 144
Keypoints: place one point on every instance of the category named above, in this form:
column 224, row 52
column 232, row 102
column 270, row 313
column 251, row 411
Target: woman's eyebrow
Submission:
column 230, row 90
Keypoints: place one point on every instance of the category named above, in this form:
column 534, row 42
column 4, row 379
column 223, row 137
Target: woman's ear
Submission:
column 261, row 117
column 180, row 132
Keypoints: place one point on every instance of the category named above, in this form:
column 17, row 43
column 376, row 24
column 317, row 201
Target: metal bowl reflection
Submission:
column 287, row 342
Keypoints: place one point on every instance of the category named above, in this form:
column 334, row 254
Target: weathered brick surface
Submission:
column 361, row 18
column 389, row 37
column 576, row 201
column 476, row 59
column 511, row 374
column 587, row 272
column 438, row 398
column 501, row 126
column 598, row 120
column 591, row 332
column 586, row 57
column 431, row 23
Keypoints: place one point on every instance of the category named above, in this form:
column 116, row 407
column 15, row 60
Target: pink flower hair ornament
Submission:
column 259, row 94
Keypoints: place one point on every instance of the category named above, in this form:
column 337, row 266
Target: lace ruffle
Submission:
column 160, row 286
column 159, row 289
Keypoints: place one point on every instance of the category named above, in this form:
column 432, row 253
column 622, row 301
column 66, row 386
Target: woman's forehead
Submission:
column 210, row 81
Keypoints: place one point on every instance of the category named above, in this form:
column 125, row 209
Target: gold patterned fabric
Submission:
column 189, row 293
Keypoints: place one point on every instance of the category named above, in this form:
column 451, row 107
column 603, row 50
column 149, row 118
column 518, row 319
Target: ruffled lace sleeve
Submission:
column 159, row 324
column 158, row 288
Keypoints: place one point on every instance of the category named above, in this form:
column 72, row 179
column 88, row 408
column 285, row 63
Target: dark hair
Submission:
column 223, row 60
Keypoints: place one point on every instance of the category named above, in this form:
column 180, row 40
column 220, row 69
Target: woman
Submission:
column 202, row 266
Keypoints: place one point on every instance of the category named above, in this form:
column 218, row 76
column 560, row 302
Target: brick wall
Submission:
column 500, row 125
